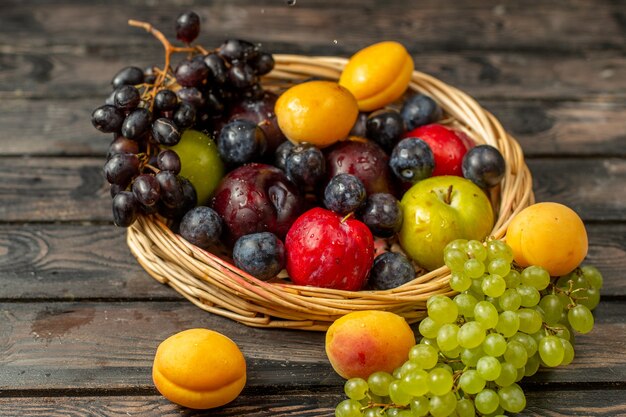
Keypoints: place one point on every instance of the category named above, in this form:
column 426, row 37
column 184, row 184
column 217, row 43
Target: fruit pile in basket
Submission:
column 347, row 185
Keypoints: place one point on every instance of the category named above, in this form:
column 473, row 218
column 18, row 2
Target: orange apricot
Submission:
column 199, row 368
column 550, row 235
column 317, row 112
column 378, row 74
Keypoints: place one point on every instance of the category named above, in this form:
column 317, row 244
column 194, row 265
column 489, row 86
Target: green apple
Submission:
column 200, row 163
column 439, row 210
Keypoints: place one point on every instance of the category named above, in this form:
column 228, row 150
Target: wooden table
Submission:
column 80, row 320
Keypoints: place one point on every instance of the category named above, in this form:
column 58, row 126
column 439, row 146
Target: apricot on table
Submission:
column 363, row 342
column 317, row 112
column 199, row 368
column 378, row 74
column 550, row 235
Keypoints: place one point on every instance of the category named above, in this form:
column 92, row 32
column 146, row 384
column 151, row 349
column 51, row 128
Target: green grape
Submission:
column 474, row 268
column 486, row 314
column 499, row 266
column 552, row 308
column 527, row 341
column 379, row 383
column 493, row 285
column 415, row 383
column 460, row 244
column 516, row 354
column 561, row 331
column 408, row 366
column 551, row 351
column 442, row 405
column 397, row 394
column 424, row 356
column 465, row 303
column 513, row 279
column 487, row 401
column 497, row 249
column 444, row 366
column 593, row 276
column 470, row 335
column 590, row 298
column 442, row 310
column 348, row 408
column 530, row 295
column 471, row 383
column 429, row 342
column 460, row 282
column 508, row 323
column 508, row 375
column 477, row 288
column 439, row 381
column 454, row 259
column 494, row 345
column 530, row 321
column 397, row 373
column 581, row 319
column 465, row 408
column 453, row 353
column 489, row 368
column 495, row 301
column 470, row 356
column 568, row 352
column 512, row 398
column 510, row 300
column 429, row 328
column 356, row 388
column 447, row 337
column 420, row 406
column 520, row 373
column 532, row 365
column 405, row 413
column 536, row 276
column 392, row 412
column 374, row 412
column 477, row 250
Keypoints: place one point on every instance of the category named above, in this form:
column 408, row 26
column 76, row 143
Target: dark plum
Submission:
column 305, row 165
column 136, row 123
column 382, row 214
column 419, row 110
column 344, row 194
column 125, row 209
column 385, row 127
column 128, row 76
column 412, row 160
column 262, row 255
column 201, row 226
column 187, row 27
column 107, row 118
column 241, row 141
column 390, row 270
column 484, row 165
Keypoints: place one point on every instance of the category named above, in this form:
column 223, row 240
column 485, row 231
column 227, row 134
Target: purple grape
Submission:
column 217, row 68
column 136, row 123
column 185, row 115
column 146, row 189
column 122, row 145
column 242, row 76
column 263, row 64
column 168, row 160
column 165, row 100
column 172, row 193
column 128, row 76
column 191, row 73
column 107, row 119
column 237, row 50
column 127, row 97
column 484, row 165
column 121, row 168
column 187, row 27
column 165, row 132
column 125, row 209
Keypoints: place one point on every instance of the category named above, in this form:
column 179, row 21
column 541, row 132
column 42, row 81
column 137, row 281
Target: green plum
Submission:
column 439, row 210
column 200, row 163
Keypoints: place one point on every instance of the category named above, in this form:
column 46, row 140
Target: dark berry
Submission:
column 360, row 126
column 281, row 154
column 263, row 64
column 262, row 255
column 201, row 226
column 385, row 127
column 121, row 168
column 217, row 68
column 165, row 132
column 125, row 209
column 191, row 72
column 165, row 100
column 149, row 75
column 122, row 145
column 185, row 115
column 136, row 123
column 128, row 76
column 305, row 165
column 187, row 27
column 191, row 95
column 171, row 188
column 412, row 160
column 127, row 97
column 242, row 76
column 419, row 110
column 240, row 141
column 168, row 160
column 146, row 189
column 236, row 50
column 484, row 165
column 382, row 214
column 344, row 194
column 390, row 270
column 107, row 118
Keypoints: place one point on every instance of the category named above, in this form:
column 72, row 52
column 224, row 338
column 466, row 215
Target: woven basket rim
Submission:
column 219, row 287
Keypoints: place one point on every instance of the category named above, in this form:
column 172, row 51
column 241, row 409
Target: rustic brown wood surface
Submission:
column 80, row 320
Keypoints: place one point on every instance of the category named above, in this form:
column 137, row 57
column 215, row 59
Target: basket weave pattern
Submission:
column 215, row 285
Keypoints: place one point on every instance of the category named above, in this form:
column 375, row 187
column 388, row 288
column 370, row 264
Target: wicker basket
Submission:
column 217, row 286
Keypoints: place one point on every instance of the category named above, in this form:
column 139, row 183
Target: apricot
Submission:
column 549, row 235
column 317, row 112
column 378, row 74
column 199, row 368
column 363, row 342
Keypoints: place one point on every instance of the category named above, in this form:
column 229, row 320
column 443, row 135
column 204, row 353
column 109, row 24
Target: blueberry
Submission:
column 344, row 194
column 281, row 154
column 385, row 127
column 240, row 141
column 201, row 226
column 382, row 214
column 484, row 166
column 412, row 160
column 390, row 270
column 262, row 255
column 419, row 110
column 305, row 165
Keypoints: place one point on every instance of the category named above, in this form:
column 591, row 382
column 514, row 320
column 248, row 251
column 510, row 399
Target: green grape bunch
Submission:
column 504, row 323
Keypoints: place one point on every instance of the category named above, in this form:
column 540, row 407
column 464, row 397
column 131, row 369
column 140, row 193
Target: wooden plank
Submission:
column 77, row 72
column 67, row 262
column 71, row 346
column 64, row 189
column 555, row 403
column 485, row 26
